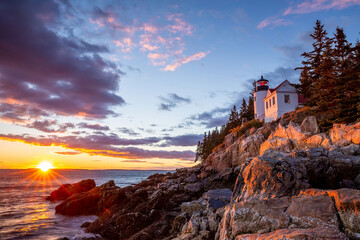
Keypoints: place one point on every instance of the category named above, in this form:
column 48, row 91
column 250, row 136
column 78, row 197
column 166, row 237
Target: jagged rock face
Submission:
column 66, row 190
column 94, row 201
column 348, row 205
column 341, row 133
column 275, row 175
column 297, row 234
column 305, row 216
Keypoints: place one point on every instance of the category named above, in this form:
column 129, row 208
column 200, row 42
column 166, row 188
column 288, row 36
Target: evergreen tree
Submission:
column 234, row 118
column 346, row 86
column 250, row 110
column 312, row 63
column 243, row 109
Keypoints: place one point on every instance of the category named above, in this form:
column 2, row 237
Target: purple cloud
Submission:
column 101, row 145
column 172, row 101
column 42, row 69
column 93, row 126
column 50, row 126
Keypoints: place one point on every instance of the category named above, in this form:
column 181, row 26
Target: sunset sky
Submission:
column 134, row 84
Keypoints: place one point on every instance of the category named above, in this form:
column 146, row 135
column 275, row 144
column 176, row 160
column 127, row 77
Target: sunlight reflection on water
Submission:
column 25, row 214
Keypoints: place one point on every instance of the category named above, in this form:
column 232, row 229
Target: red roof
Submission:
column 301, row 99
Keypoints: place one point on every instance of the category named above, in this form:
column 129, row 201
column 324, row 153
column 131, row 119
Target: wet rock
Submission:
column 66, row 190
column 93, row 202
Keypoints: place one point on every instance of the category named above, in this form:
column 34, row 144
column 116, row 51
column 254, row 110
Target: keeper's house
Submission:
column 271, row 104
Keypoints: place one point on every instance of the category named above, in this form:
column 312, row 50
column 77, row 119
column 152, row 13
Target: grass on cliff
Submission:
column 241, row 130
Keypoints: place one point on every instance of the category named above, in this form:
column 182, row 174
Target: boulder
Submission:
column 349, row 133
column 277, row 144
column 95, row 201
column 309, row 125
column 250, row 147
column 307, row 211
column 194, row 187
column 297, row 234
column 216, row 198
column 261, row 179
column 66, row 190
column 347, row 202
column 254, row 216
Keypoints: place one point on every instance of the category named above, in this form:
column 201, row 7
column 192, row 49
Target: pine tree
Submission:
column 243, row 109
column 312, row 62
column 346, row 86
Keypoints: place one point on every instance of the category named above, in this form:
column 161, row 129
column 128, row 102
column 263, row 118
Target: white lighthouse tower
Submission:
column 259, row 95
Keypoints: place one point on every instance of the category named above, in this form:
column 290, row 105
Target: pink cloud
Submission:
column 157, row 59
column 179, row 25
column 126, row 44
column 309, row 6
column 150, row 28
column 180, row 61
column 273, row 21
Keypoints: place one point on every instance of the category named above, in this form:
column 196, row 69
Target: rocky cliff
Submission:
column 285, row 180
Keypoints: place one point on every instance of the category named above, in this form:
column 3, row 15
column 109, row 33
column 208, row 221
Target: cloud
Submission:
column 101, row 145
column 50, row 126
column 280, row 74
column 11, row 111
column 128, row 131
column 134, row 161
column 59, row 74
column 93, row 126
column 180, row 61
column 273, row 22
column 70, row 153
column 160, row 39
column 183, row 140
column 309, row 6
column 210, row 119
column 172, row 101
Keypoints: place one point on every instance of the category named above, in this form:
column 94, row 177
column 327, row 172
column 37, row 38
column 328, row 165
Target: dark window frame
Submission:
column 287, row 98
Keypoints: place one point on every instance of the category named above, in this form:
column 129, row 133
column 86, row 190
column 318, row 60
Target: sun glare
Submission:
column 44, row 166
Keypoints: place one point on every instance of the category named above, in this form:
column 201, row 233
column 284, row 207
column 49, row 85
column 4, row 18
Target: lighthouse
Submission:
column 261, row 89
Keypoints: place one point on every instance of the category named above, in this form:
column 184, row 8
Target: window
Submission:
column 274, row 100
column 267, row 105
column 270, row 102
column 287, row 98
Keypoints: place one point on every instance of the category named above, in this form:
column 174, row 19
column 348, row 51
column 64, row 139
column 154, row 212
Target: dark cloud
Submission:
column 280, row 74
column 172, row 101
column 19, row 113
column 93, row 126
column 182, row 140
column 128, row 131
column 213, row 118
column 50, row 126
column 45, row 70
column 101, row 145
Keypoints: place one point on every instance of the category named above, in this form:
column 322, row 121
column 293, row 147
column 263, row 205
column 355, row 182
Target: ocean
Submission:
column 25, row 214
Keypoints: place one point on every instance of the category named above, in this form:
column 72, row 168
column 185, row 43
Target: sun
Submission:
column 44, row 166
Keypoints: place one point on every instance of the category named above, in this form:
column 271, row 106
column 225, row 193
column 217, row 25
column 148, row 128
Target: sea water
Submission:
column 25, row 214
